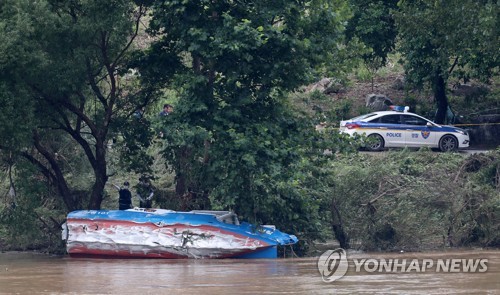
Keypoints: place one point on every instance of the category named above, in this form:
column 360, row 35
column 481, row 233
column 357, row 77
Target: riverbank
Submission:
column 402, row 200
column 417, row 200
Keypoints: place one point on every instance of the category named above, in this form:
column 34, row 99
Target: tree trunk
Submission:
column 338, row 228
column 101, row 177
column 439, row 87
column 97, row 190
column 53, row 173
column 180, row 184
column 181, row 181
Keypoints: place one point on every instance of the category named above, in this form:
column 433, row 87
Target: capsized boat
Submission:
column 160, row 233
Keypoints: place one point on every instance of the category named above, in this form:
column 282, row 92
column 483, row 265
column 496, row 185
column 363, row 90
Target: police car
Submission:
column 400, row 128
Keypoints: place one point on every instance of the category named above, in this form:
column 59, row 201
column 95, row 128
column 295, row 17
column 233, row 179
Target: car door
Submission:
column 390, row 130
column 417, row 133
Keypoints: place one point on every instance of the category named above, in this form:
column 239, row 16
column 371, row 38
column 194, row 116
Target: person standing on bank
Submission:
column 167, row 109
column 125, row 196
column 145, row 192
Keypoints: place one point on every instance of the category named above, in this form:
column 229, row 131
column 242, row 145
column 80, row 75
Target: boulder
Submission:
column 378, row 102
column 399, row 83
column 327, row 86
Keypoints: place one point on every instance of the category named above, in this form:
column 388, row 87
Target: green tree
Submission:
column 233, row 140
column 62, row 64
column 373, row 23
column 441, row 38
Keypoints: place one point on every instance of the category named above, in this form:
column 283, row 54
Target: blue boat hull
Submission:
column 158, row 233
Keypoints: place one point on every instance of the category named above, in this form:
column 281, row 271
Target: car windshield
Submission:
column 359, row 118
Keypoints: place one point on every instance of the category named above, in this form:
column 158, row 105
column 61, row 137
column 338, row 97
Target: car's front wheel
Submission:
column 375, row 142
column 448, row 143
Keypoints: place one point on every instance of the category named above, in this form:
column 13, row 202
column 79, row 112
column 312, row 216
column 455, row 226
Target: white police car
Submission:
column 399, row 128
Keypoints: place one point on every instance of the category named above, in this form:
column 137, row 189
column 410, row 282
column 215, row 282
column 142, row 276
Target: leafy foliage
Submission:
column 233, row 140
column 241, row 136
column 65, row 64
column 373, row 23
column 32, row 221
column 407, row 200
column 439, row 38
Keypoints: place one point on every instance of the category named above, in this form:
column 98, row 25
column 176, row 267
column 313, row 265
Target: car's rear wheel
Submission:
column 448, row 143
column 375, row 142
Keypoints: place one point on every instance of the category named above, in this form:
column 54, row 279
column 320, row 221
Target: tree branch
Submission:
column 94, row 86
column 79, row 113
column 453, row 66
column 69, row 106
column 140, row 13
column 110, row 68
column 60, row 181
column 45, row 171
column 76, row 135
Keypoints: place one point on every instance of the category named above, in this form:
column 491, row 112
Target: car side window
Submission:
column 412, row 120
column 390, row 119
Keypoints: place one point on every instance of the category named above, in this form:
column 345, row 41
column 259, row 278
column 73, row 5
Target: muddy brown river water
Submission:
column 28, row 273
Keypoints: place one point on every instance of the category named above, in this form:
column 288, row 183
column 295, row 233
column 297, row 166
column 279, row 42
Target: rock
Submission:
column 399, row 83
column 327, row 86
column 378, row 102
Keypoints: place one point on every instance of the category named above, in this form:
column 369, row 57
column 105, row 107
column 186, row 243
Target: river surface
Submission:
column 29, row 273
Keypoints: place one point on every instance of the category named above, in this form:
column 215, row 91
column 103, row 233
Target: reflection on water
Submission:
column 26, row 273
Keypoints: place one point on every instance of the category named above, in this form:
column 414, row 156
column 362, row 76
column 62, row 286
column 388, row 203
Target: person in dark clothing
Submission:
column 145, row 192
column 125, row 196
column 167, row 109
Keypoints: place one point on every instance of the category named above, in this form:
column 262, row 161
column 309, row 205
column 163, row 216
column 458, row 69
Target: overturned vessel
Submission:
column 160, row 233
